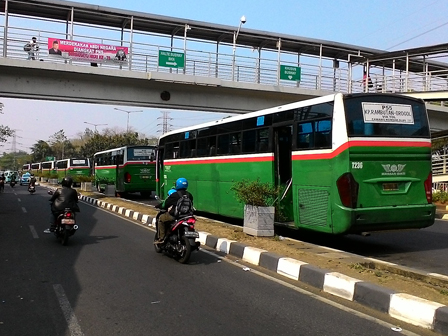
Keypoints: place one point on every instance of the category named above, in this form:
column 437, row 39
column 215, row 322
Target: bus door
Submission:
column 159, row 173
column 283, row 168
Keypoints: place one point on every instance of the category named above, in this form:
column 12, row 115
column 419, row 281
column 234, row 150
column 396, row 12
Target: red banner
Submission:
column 87, row 52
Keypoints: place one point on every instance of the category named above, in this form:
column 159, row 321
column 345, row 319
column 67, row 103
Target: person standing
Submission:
column 33, row 48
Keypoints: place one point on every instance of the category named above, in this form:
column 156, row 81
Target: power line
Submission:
column 428, row 31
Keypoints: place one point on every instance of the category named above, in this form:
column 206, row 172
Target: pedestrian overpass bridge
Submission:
column 225, row 69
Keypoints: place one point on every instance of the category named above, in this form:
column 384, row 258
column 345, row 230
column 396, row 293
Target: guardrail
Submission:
column 316, row 73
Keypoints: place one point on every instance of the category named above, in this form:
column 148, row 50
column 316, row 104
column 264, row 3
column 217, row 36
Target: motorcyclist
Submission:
column 169, row 205
column 2, row 182
column 12, row 182
column 32, row 182
column 62, row 198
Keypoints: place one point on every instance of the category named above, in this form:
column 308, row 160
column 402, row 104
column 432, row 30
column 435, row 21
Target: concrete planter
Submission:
column 109, row 190
column 53, row 181
column 259, row 221
column 86, row 186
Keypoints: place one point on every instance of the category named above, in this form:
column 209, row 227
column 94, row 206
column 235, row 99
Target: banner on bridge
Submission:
column 87, row 52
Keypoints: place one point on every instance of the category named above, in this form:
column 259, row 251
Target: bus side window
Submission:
column 223, row 144
column 249, row 139
column 304, row 135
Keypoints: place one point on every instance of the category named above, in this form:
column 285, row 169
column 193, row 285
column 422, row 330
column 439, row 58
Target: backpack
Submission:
column 184, row 206
column 27, row 47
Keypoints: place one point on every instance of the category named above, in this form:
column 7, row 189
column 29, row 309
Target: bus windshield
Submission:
column 141, row 154
column 386, row 116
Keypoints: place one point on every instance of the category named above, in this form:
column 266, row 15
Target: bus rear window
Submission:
column 141, row 154
column 385, row 116
column 78, row 162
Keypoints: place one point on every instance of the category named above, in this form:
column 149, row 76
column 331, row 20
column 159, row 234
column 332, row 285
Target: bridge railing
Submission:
column 439, row 164
column 316, row 73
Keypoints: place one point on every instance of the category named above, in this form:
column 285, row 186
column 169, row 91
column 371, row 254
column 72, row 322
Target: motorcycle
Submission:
column 32, row 189
column 180, row 239
column 65, row 225
column 12, row 184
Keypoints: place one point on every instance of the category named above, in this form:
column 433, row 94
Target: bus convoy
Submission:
column 129, row 169
column 346, row 163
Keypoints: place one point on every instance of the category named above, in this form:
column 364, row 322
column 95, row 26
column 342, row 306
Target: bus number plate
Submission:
column 145, row 177
column 390, row 186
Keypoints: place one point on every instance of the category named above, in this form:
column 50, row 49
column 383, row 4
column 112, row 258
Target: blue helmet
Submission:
column 171, row 191
column 181, row 183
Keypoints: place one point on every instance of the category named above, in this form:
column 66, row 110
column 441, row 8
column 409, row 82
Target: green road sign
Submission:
column 290, row 72
column 171, row 59
column 50, row 158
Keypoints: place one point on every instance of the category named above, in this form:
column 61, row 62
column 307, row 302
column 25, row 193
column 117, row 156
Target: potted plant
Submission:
column 258, row 199
column 53, row 178
column 85, row 181
column 106, row 185
column 45, row 176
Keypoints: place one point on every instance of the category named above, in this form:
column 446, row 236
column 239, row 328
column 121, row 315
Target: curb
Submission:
column 408, row 308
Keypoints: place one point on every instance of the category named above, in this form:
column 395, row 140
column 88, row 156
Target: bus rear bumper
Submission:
column 388, row 218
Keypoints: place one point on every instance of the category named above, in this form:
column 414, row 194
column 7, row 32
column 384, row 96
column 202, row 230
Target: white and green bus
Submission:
column 129, row 168
column 73, row 167
column 48, row 168
column 346, row 163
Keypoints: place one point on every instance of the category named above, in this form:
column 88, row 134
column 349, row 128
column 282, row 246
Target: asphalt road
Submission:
column 424, row 249
column 109, row 281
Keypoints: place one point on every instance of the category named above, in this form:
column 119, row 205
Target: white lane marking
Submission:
column 19, row 200
column 33, row 231
column 23, row 209
column 72, row 321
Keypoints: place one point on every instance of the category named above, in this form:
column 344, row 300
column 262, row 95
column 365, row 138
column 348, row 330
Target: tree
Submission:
column 40, row 151
column 14, row 160
column 5, row 131
column 58, row 143
column 110, row 139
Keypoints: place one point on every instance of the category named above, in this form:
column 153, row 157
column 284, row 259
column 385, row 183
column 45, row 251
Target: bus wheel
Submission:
column 145, row 194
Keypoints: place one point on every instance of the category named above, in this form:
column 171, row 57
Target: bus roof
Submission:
column 270, row 110
column 317, row 100
column 123, row 147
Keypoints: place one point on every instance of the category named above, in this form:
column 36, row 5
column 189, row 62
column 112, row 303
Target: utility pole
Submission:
column 14, row 147
column 165, row 125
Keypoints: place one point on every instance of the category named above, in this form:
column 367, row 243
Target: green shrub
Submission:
column 82, row 178
column 440, row 196
column 255, row 193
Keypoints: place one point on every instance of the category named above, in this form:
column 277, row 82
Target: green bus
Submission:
column 35, row 168
column 74, row 167
column 129, row 168
column 48, row 168
column 346, row 163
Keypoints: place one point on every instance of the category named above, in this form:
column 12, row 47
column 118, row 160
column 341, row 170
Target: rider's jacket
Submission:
column 64, row 198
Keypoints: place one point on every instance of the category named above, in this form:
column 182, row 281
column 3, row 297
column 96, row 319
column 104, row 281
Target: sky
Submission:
column 381, row 24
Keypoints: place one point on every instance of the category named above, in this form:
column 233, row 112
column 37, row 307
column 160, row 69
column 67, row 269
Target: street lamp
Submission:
column 128, row 112
column 85, row 122
column 235, row 36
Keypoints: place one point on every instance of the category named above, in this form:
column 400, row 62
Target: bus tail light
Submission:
column 127, row 178
column 348, row 190
column 428, row 188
